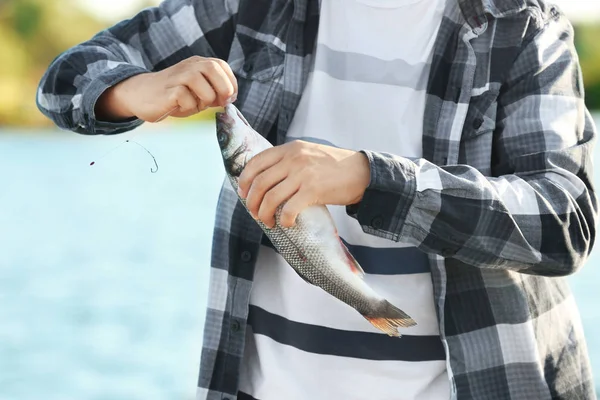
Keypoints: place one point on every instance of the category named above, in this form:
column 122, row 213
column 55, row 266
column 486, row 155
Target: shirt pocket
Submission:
column 254, row 59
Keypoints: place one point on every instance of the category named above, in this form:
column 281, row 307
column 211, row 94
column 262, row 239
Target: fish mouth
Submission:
column 224, row 120
column 230, row 116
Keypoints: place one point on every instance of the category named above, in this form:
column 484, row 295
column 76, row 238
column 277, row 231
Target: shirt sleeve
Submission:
column 537, row 213
column 156, row 38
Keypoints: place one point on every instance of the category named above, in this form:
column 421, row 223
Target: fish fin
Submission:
column 388, row 326
column 390, row 319
column 352, row 263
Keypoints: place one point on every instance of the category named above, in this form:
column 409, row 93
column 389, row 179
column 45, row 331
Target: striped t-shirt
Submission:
column 366, row 91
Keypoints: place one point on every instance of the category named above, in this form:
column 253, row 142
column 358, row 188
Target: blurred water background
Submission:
column 103, row 269
column 103, row 277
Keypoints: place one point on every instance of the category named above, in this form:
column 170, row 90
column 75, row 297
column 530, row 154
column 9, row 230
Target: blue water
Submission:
column 103, row 269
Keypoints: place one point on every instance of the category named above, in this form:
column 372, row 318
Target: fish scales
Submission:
column 312, row 246
column 303, row 261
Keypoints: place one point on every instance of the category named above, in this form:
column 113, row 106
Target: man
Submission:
column 449, row 139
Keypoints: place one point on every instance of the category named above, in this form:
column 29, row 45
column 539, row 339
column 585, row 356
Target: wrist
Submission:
column 112, row 105
column 363, row 175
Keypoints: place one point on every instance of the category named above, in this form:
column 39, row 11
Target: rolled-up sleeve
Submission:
column 154, row 39
column 537, row 213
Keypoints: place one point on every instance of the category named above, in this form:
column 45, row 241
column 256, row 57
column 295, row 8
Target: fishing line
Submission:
column 155, row 168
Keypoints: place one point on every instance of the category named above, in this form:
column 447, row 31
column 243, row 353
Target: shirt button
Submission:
column 377, row 222
column 235, row 325
column 246, row 256
column 247, row 67
column 477, row 123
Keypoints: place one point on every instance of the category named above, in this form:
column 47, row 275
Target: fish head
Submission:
column 237, row 140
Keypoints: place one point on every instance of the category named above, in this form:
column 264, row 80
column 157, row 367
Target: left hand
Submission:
column 303, row 174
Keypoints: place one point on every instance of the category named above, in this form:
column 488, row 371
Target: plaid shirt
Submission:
column 502, row 200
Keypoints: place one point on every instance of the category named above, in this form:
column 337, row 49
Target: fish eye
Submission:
column 223, row 138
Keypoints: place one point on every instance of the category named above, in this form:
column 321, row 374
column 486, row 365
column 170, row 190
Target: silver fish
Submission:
column 312, row 246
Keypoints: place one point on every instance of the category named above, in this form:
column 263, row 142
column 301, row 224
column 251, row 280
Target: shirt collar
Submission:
column 474, row 11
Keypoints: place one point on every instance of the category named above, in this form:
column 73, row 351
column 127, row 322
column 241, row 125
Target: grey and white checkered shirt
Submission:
column 502, row 200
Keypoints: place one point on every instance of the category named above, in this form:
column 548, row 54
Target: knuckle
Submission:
column 269, row 199
column 193, row 75
column 224, row 65
column 209, row 97
column 259, row 183
column 210, row 66
column 217, row 61
column 302, row 155
column 244, row 182
column 176, row 94
column 228, row 91
column 195, row 59
column 263, row 214
column 179, row 91
column 287, row 215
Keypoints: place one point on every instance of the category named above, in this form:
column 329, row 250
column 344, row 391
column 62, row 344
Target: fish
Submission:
column 312, row 246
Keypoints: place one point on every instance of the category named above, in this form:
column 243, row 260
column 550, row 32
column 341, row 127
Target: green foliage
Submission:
column 32, row 34
column 27, row 16
column 588, row 47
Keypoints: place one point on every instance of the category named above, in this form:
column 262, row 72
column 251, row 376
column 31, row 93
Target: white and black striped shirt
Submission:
column 366, row 91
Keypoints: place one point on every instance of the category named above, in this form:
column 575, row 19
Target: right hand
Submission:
column 184, row 89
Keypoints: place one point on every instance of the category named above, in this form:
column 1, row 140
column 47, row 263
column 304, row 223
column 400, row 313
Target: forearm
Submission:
column 154, row 39
column 540, row 223
column 537, row 212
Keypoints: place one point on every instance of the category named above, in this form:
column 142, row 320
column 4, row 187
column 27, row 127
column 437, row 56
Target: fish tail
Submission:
column 389, row 318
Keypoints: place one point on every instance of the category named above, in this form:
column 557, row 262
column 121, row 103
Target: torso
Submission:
column 366, row 91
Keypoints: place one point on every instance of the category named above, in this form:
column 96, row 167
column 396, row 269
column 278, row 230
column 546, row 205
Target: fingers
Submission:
column 265, row 182
column 211, row 80
column 294, row 206
column 275, row 197
column 183, row 103
column 219, row 81
column 273, row 177
column 201, row 88
column 257, row 165
column 181, row 90
column 227, row 69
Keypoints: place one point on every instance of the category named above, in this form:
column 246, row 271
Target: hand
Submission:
column 184, row 89
column 303, row 174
